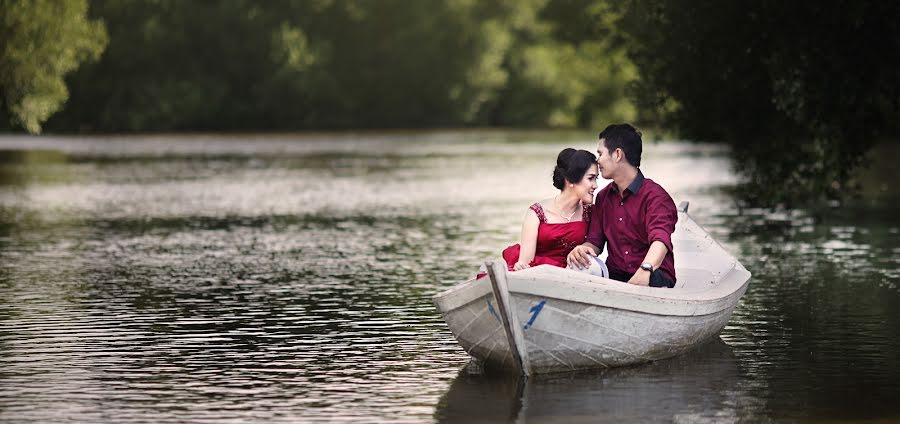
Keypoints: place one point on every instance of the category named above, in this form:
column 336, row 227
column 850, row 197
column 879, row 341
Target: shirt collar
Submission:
column 635, row 185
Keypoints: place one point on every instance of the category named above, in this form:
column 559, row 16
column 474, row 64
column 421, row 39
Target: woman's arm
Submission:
column 528, row 241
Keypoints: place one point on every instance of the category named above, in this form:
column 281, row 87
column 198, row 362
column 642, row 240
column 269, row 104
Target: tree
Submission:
column 40, row 42
column 566, row 69
column 249, row 65
column 801, row 90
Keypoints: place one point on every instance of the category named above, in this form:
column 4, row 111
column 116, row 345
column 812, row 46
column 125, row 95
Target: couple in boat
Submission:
column 633, row 217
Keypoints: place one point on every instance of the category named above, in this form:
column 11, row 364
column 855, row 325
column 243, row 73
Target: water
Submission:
column 285, row 278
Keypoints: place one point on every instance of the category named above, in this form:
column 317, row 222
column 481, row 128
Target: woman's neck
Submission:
column 567, row 201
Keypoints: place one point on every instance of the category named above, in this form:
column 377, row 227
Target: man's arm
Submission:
column 655, row 256
column 580, row 256
column 660, row 224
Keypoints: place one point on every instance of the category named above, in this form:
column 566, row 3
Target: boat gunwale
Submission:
column 583, row 288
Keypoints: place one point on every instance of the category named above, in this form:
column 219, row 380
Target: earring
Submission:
column 571, row 185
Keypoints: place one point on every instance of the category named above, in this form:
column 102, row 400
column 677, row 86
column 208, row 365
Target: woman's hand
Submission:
column 520, row 266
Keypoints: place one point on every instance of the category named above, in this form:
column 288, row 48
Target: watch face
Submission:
column 647, row 267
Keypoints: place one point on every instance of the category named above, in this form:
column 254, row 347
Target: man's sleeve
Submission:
column 595, row 234
column 660, row 219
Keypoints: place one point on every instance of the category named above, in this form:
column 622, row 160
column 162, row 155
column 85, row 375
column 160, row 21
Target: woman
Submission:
column 554, row 226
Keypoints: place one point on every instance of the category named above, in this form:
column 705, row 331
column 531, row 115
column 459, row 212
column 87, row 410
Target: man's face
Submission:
column 605, row 162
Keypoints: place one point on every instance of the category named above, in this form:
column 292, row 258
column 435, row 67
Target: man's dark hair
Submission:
column 571, row 165
column 625, row 137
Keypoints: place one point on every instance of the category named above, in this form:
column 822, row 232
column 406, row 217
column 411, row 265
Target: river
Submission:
column 288, row 278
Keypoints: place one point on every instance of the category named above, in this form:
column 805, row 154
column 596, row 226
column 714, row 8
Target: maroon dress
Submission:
column 554, row 241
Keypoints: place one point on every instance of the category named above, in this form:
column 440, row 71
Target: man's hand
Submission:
column 580, row 256
column 640, row 278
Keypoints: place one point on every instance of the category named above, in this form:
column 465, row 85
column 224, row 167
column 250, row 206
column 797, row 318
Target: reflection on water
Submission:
column 695, row 387
column 289, row 278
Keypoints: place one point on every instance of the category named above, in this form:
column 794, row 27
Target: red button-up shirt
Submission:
column 629, row 222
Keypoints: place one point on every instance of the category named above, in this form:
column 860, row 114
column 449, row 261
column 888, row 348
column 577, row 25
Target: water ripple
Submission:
column 289, row 278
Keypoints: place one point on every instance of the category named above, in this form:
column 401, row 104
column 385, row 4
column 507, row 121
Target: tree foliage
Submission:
column 248, row 65
column 800, row 89
column 40, row 42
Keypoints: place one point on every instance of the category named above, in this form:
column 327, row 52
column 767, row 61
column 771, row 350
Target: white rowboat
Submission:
column 549, row 319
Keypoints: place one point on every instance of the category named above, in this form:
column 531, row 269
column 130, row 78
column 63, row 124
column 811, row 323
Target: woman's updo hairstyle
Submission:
column 571, row 165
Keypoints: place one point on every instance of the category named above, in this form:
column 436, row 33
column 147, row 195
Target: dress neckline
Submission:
column 542, row 217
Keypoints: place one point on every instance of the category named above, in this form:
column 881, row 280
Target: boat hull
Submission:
column 563, row 335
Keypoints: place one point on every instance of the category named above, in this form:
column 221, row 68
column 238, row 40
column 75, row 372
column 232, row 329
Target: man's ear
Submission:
column 618, row 154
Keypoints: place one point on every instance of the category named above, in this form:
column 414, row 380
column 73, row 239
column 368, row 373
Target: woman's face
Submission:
column 585, row 188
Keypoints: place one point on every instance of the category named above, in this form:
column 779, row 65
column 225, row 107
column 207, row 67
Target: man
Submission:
column 633, row 216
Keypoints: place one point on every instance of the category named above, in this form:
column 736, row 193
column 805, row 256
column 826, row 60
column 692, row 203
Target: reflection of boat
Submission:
column 549, row 319
column 699, row 386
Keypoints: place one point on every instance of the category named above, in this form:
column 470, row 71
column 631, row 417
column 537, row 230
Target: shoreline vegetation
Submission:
column 799, row 91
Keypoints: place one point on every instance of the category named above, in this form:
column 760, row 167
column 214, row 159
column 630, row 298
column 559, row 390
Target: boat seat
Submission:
column 694, row 278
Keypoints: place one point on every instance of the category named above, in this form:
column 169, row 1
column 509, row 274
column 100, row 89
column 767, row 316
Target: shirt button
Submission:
column 626, row 252
column 622, row 204
column 620, row 219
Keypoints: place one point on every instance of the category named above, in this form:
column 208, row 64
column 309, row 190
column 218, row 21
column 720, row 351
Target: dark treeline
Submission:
column 800, row 89
column 286, row 65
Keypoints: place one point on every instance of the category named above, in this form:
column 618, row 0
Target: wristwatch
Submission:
column 647, row 266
